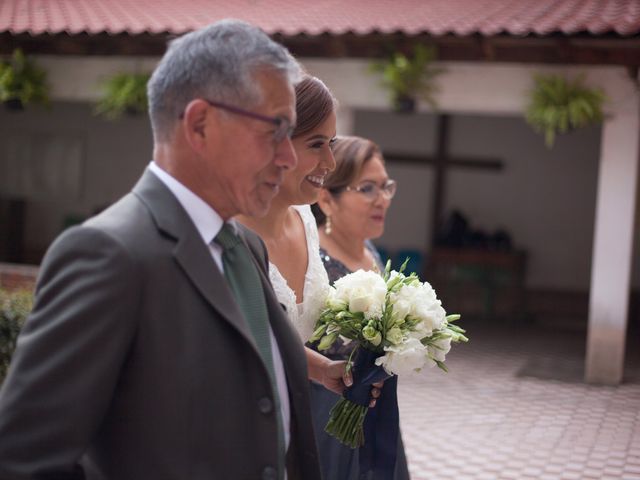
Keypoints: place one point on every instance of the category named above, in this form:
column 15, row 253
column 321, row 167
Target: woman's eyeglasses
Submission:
column 371, row 190
column 283, row 130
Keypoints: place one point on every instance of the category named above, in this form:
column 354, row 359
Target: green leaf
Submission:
column 22, row 79
column 124, row 93
column 558, row 105
column 409, row 76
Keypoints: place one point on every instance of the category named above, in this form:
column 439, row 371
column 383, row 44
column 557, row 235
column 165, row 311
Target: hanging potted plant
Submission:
column 558, row 105
column 22, row 82
column 409, row 78
column 124, row 93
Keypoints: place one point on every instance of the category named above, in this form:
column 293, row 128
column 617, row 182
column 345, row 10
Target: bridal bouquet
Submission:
column 399, row 326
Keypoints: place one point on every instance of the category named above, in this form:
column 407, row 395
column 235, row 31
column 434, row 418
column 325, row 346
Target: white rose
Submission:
column 394, row 335
column 333, row 302
column 408, row 357
column 419, row 301
column 438, row 350
column 363, row 292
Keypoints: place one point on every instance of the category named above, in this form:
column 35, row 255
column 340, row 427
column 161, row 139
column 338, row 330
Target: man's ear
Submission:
column 197, row 117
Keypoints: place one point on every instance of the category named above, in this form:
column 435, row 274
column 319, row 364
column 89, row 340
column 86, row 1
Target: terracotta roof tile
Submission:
column 291, row 17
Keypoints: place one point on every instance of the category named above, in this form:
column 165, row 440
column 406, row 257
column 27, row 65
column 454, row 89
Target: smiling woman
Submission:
column 289, row 230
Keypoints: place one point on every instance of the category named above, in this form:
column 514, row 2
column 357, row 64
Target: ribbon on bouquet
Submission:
column 381, row 423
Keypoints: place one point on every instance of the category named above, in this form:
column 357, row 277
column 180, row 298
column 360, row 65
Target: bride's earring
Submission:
column 327, row 225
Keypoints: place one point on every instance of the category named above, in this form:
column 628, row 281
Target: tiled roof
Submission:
column 313, row 17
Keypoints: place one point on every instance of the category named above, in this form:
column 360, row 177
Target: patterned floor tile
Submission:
column 494, row 417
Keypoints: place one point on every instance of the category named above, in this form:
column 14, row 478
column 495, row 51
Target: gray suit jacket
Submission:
column 136, row 363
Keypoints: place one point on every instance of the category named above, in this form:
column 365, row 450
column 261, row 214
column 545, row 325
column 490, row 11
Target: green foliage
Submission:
column 21, row 79
column 124, row 93
column 14, row 308
column 558, row 105
column 410, row 77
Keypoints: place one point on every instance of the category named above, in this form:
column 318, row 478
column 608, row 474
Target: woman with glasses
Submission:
column 351, row 211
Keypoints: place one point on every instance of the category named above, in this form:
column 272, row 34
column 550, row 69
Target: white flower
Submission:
column 333, row 302
column 370, row 333
column 363, row 292
column 394, row 335
column 419, row 301
column 438, row 349
column 394, row 279
column 408, row 357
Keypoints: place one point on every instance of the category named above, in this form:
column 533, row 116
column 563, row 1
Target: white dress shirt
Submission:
column 208, row 223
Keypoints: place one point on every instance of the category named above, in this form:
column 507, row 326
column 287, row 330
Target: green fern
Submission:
column 21, row 79
column 558, row 105
column 124, row 93
column 410, row 76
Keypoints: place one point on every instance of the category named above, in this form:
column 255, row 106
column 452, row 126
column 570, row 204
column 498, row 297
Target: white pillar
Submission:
column 613, row 242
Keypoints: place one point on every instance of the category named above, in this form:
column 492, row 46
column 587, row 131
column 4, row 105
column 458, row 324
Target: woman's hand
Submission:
column 333, row 375
column 337, row 379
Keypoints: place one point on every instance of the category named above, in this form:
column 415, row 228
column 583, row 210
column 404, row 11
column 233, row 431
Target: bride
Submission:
column 296, row 272
column 290, row 233
column 291, row 236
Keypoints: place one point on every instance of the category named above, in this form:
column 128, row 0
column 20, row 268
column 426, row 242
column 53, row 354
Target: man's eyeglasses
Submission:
column 283, row 130
column 371, row 190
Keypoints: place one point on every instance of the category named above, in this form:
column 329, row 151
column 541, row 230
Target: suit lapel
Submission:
column 289, row 343
column 190, row 252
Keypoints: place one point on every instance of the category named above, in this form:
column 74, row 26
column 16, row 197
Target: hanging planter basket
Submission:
column 124, row 94
column 14, row 105
column 558, row 105
column 409, row 78
column 404, row 104
column 22, row 82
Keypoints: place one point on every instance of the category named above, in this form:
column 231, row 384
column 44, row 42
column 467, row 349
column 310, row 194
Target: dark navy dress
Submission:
column 338, row 461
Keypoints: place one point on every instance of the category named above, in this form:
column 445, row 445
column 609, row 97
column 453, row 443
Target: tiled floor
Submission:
column 513, row 406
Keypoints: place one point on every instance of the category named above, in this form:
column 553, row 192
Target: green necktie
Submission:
column 244, row 280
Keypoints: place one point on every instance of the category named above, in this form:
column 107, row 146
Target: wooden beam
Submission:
column 439, row 179
column 585, row 49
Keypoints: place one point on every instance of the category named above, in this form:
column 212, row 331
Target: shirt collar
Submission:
column 206, row 220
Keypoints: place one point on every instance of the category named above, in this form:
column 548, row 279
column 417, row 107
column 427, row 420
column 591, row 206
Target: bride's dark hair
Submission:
column 314, row 103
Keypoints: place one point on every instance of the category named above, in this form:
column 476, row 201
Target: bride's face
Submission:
column 315, row 160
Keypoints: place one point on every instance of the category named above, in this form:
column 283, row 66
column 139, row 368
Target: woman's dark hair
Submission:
column 352, row 154
column 314, row 103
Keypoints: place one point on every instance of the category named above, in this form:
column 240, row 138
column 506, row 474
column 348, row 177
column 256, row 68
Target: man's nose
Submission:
column 286, row 155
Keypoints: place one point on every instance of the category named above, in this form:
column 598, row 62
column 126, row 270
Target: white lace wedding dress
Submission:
column 316, row 283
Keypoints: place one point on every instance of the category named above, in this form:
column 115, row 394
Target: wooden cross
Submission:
column 442, row 162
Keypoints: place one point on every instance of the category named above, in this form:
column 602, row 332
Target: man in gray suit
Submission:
column 138, row 361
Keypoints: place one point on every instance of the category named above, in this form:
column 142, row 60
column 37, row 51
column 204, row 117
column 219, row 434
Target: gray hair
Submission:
column 217, row 62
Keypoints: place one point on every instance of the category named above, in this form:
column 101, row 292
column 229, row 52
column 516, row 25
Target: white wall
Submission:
column 544, row 198
column 115, row 153
column 551, row 190
column 489, row 90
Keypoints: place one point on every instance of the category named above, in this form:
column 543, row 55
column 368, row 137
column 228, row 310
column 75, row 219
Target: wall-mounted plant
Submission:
column 559, row 105
column 22, row 82
column 409, row 77
column 124, row 93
